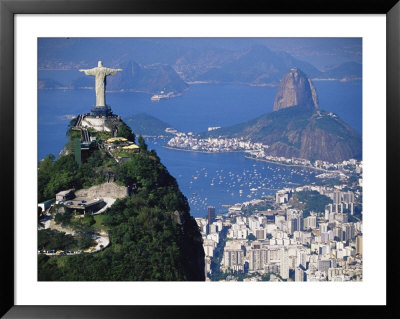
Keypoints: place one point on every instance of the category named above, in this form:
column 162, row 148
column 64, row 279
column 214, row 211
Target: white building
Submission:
column 257, row 259
column 299, row 274
column 284, row 258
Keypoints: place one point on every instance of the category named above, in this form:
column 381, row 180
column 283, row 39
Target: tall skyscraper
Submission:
column 323, row 227
column 257, row 259
column 234, row 259
column 310, row 222
column 292, row 225
column 347, row 232
column 284, row 258
column 301, row 259
column 300, row 222
column 324, row 265
column 299, row 274
column 336, row 197
column 348, row 197
column 211, row 214
column 359, row 244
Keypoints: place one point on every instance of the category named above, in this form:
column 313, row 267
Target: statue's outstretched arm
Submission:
column 112, row 71
column 88, row 71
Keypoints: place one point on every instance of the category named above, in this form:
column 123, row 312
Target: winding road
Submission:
column 102, row 239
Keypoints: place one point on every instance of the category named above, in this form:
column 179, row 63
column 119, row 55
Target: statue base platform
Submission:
column 101, row 111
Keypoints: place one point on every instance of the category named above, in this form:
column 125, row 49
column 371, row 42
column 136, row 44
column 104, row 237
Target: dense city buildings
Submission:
column 276, row 238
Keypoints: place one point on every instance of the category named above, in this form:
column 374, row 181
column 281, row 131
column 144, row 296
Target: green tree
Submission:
column 63, row 218
column 48, row 269
column 125, row 131
column 312, row 201
column 49, row 239
column 142, row 144
column 88, row 219
column 45, row 171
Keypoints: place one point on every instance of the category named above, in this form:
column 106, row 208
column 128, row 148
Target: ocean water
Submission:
column 226, row 178
column 342, row 98
column 205, row 179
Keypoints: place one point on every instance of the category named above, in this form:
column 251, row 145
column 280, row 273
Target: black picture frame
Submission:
column 8, row 10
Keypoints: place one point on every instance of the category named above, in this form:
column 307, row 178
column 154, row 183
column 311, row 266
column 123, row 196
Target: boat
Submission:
column 155, row 98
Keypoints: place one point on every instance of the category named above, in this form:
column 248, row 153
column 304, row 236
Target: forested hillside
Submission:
column 152, row 234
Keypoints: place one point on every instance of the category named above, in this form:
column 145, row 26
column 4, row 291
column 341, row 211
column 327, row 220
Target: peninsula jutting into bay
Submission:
column 297, row 131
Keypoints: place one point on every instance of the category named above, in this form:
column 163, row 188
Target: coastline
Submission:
column 280, row 163
column 249, row 157
column 194, row 151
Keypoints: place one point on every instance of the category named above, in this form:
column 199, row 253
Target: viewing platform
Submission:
column 103, row 111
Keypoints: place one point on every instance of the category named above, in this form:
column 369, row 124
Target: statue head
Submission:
column 99, row 64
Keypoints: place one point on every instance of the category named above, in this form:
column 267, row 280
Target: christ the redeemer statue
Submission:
column 100, row 72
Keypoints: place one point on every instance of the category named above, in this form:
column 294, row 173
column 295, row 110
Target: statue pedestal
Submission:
column 101, row 111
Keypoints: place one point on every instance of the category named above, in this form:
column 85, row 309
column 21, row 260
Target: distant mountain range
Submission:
column 260, row 66
column 257, row 66
column 149, row 79
column 175, row 66
column 50, row 84
column 69, row 53
column 344, row 71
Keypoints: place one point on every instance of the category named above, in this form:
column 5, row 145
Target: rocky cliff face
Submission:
column 104, row 190
column 295, row 89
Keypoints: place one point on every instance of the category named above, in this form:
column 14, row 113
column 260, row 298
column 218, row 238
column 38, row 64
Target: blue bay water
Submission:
column 205, row 179
column 226, row 178
column 342, row 98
